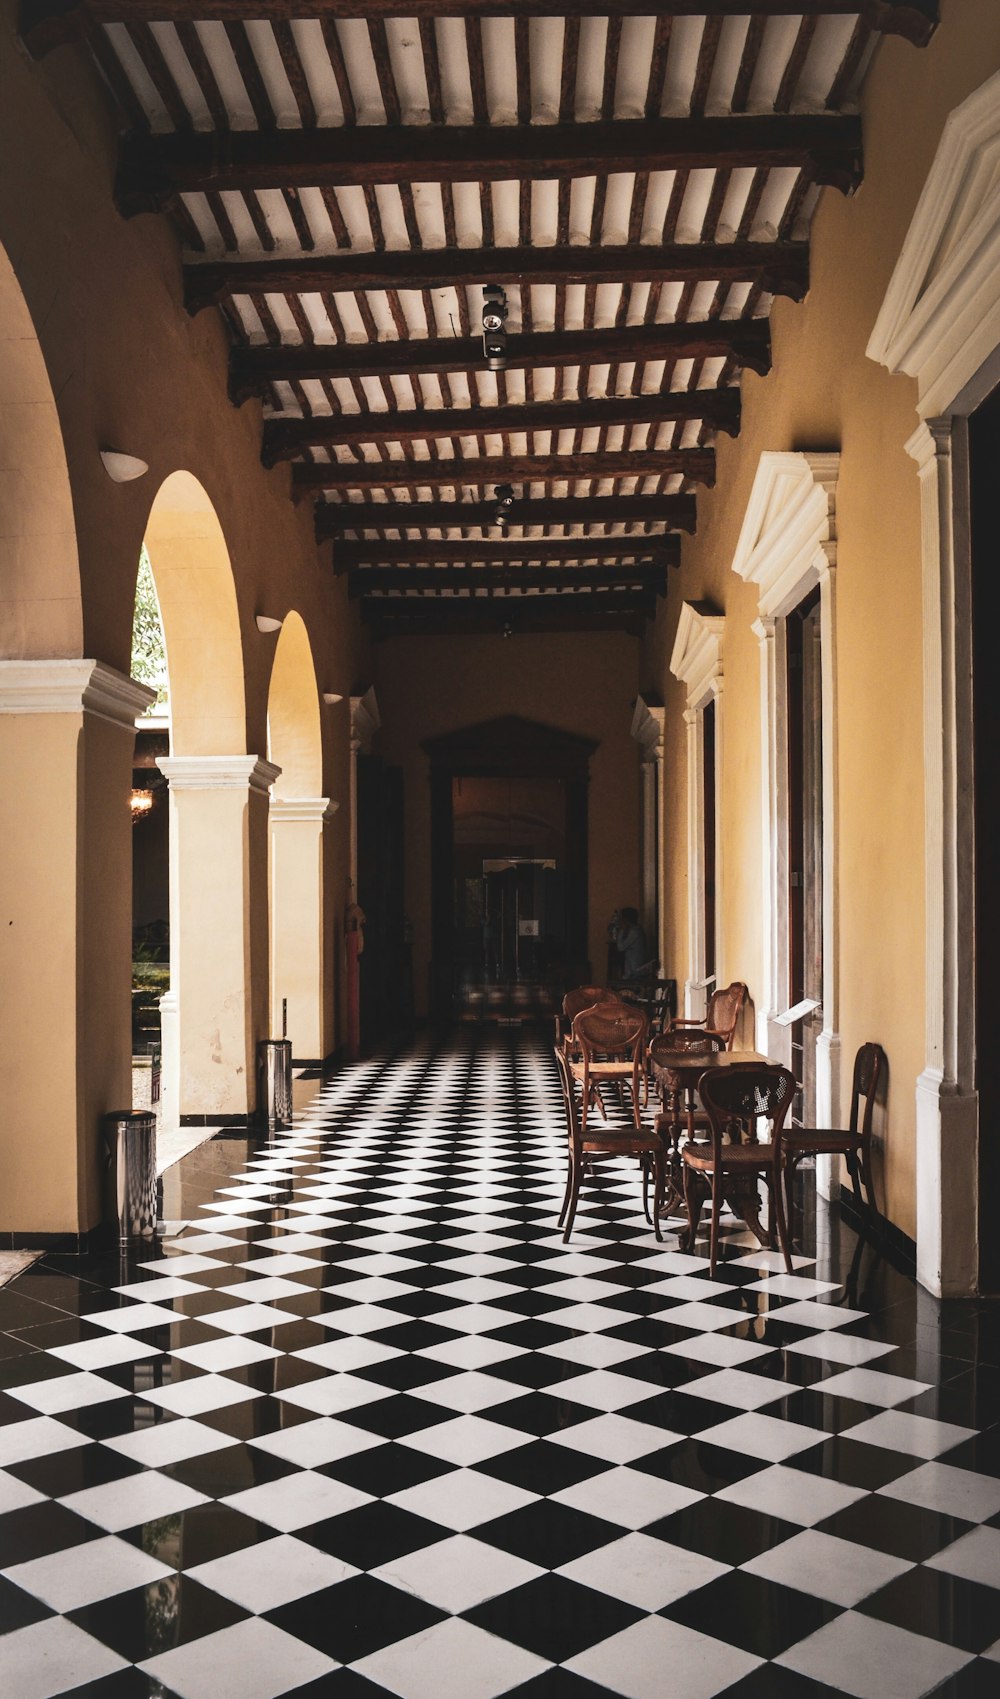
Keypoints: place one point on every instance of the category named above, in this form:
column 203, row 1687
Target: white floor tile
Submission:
column 334, row 1393
column 627, row 1497
column 916, row 1436
column 50, row 1657
column 739, row 1389
column 689, row 1286
column 975, row 1557
column 469, row 1392
column 296, row 1501
column 264, row 1289
column 701, row 1318
column 36, row 1437
column 311, row 1444
column 247, row 1318
column 762, row 1260
column 871, row 1386
column 586, row 1318
column 200, row 1393
column 616, row 1439
column 873, row 1660
column 343, row 1355
column 467, row 1439
column 594, row 1350
column 251, row 1660
column 220, row 1355
column 472, row 1352
column 462, row 1499
column 782, row 1285
column 841, row 1348
column 720, row 1349
column 168, row 1442
column 761, row 1435
column 808, row 1312
column 826, row 1567
column 642, row 1660
column 359, row 1318
column 104, row 1353
column 134, row 1317
column 53, row 1397
column 644, row 1572
column 604, row 1389
column 792, row 1495
column 452, row 1660
column 273, row 1573
column 160, row 1291
column 137, row 1499
column 15, row 1495
column 81, row 1575
column 275, row 1263
column 951, row 1492
column 458, row 1573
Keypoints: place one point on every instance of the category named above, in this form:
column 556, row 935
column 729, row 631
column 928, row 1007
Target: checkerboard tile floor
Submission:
column 363, row 1426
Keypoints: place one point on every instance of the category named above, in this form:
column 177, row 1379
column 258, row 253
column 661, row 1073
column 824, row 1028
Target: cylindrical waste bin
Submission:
column 274, row 1082
column 131, row 1140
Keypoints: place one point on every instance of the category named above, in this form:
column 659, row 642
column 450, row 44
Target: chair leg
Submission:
column 566, row 1193
column 574, row 1194
column 693, row 1215
column 658, row 1171
column 789, row 1165
column 713, row 1243
column 854, row 1171
column 644, row 1160
column 778, row 1209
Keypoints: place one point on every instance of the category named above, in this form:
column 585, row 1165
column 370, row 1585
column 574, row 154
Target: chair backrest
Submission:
column 611, row 1028
column 724, row 1010
column 736, row 1098
column 869, row 1065
column 584, row 997
column 692, row 1040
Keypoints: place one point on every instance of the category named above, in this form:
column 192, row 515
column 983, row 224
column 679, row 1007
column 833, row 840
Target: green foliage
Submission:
column 149, row 649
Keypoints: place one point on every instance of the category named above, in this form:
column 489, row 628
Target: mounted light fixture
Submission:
column 494, row 334
column 122, row 468
column 505, row 501
column 331, row 698
column 268, row 625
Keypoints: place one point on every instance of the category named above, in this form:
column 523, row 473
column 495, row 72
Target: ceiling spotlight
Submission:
column 268, row 625
column 122, row 468
column 494, row 334
column 505, row 501
column 508, row 630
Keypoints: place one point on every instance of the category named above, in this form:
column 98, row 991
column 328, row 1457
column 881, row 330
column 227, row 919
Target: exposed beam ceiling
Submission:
column 46, row 23
column 286, row 438
column 644, row 575
column 698, row 464
column 154, row 169
column 744, row 342
column 779, row 268
column 505, row 551
column 335, row 517
column 457, row 616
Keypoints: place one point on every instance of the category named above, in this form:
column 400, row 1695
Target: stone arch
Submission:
column 194, row 582
column 302, row 969
column 41, row 613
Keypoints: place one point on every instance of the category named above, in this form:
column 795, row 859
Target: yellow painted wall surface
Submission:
column 576, row 682
column 824, row 393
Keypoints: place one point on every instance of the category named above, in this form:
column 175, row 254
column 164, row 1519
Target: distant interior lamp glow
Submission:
column 268, row 625
column 331, row 698
column 122, row 468
column 140, row 802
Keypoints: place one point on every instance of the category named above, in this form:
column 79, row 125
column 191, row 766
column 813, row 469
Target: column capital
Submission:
column 69, row 686
column 930, row 441
column 293, row 810
column 218, row 772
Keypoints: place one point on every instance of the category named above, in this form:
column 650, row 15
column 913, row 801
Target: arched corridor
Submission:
column 364, row 1424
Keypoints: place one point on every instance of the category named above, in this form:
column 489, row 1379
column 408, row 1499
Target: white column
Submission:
column 828, row 1044
column 773, row 1040
column 299, row 957
column 67, row 737
column 695, row 1001
column 218, row 933
column 947, row 1104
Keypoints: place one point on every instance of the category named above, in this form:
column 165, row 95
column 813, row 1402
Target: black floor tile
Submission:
column 19, row 1609
column 386, row 1469
column 148, row 1620
column 696, row 1464
column 904, row 1530
column 547, row 1533
column 553, row 1617
column 372, row 1534
column 355, row 1618
column 543, row 1467
column 540, row 1413
column 728, row 1532
column 745, row 1610
column 926, row 1601
column 38, row 1530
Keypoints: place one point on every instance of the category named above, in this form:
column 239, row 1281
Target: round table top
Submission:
column 676, row 1062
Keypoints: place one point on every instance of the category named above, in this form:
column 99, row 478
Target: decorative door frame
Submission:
column 940, row 324
column 647, row 730
column 788, row 546
column 697, row 661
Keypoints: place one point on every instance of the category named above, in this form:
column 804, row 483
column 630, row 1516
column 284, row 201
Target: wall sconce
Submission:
column 268, row 625
column 494, row 334
column 331, row 699
column 122, row 468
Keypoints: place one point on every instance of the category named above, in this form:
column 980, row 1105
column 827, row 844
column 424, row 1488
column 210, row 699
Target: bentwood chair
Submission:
column 737, row 1100
column 608, row 1047
column 722, row 1015
column 853, row 1142
column 581, row 997
column 584, row 1143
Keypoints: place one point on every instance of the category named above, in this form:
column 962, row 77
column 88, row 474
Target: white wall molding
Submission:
column 73, row 687
column 697, row 653
column 218, row 772
column 297, row 810
column 365, row 720
column 787, row 547
column 940, row 320
column 647, row 730
column 697, row 660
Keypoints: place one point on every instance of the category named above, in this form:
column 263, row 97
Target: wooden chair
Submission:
column 608, row 1046
column 679, row 1112
column 581, row 997
column 853, row 1142
column 722, row 1015
column 736, row 1100
column 584, row 1144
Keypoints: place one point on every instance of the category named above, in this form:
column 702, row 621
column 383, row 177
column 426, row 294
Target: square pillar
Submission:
column 218, row 1003
column 67, row 736
column 301, row 962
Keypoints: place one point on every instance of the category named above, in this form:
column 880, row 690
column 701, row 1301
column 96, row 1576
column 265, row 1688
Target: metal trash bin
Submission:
column 274, row 1082
column 131, row 1139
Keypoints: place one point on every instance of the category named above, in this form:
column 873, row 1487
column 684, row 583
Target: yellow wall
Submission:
column 824, row 393
column 579, row 683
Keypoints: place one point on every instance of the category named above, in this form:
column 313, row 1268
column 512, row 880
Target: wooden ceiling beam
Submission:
column 507, row 616
column 645, row 576
column 506, row 551
column 284, row 439
column 333, row 518
column 744, row 342
column 154, row 169
column 45, row 24
column 779, row 268
column 698, row 464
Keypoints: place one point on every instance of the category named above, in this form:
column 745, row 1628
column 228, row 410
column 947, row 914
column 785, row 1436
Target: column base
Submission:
column 947, row 1187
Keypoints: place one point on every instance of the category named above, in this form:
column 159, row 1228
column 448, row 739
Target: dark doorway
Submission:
column 386, row 1000
column 984, row 489
column 805, row 845
column 508, row 868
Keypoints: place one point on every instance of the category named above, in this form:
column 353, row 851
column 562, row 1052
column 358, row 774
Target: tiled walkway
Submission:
column 365, row 1427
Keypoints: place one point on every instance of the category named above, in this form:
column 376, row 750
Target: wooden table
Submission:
column 676, row 1074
